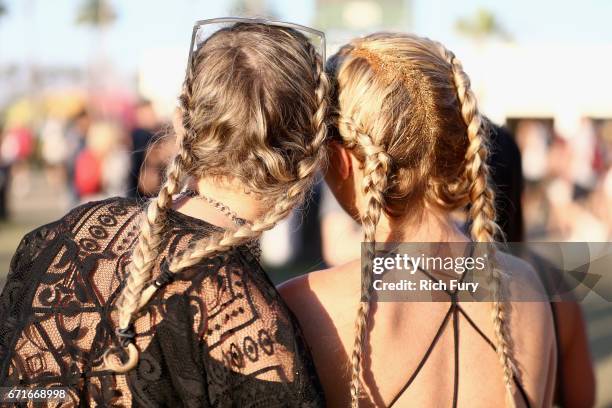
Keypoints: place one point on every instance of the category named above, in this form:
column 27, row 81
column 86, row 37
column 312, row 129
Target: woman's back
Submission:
column 217, row 335
column 425, row 354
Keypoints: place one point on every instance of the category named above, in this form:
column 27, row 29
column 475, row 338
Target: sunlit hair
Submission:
column 405, row 108
column 254, row 106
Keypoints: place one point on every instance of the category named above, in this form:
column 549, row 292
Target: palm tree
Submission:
column 483, row 24
column 99, row 15
column 250, row 8
column 96, row 13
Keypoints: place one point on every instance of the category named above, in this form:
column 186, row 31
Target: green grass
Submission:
column 10, row 235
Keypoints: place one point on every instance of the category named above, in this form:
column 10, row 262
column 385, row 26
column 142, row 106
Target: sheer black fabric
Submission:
column 219, row 335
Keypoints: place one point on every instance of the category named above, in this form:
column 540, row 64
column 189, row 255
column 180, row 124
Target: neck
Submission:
column 430, row 225
column 230, row 193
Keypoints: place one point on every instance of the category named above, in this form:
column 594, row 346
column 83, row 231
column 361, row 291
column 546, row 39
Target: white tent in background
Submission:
column 564, row 82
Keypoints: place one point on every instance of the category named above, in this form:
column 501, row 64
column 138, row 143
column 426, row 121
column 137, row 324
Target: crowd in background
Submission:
column 566, row 186
column 568, row 179
column 87, row 156
column 79, row 129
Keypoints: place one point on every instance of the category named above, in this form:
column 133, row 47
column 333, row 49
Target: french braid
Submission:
column 135, row 295
column 482, row 209
column 377, row 164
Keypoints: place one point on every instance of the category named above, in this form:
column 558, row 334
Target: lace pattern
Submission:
column 218, row 335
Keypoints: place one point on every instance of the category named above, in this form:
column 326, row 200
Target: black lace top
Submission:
column 217, row 336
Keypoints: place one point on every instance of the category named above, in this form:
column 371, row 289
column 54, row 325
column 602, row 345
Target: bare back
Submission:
column 424, row 354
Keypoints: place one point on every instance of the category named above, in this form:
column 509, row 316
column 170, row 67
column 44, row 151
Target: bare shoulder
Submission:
column 326, row 289
column 529, row 312
column 325, row 303
column 524, row 289
column 523, row 282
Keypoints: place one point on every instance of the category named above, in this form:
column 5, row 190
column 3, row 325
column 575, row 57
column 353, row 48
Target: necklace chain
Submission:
column 219, row 206
column 225, row 210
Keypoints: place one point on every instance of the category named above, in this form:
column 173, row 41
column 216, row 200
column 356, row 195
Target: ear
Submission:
column 341, row 160
column 177, row 124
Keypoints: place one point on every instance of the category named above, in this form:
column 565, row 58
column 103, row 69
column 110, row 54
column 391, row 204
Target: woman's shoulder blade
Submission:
column 523, row 282
column 329, row 293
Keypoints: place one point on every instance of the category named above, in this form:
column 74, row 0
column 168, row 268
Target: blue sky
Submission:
column 48, row 35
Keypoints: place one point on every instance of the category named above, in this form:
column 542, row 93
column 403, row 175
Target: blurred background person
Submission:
column 575, row 382
column 17, row 148
column 533, row 137
column 102, row 165
column 76, row 141
column 54, row 151
column 147, row 124
column 506, row 163
column 156, row 158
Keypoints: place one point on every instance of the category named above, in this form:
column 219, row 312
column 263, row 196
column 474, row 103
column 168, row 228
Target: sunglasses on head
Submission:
column 203, row 29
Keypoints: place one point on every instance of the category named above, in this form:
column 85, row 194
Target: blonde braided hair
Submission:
column 409, row 98
column 206, row 120
column 377, row 165
column 482, row 209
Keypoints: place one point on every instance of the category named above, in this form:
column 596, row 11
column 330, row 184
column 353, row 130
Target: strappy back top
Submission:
column 452, row 317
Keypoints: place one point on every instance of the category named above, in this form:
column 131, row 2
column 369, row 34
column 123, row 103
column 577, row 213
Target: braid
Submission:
column 145, row 255
column 377, row 164
column 482, row 210
column 146, row 250
column 313, row 160
column 225, row 241
column 322, row 94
